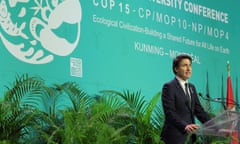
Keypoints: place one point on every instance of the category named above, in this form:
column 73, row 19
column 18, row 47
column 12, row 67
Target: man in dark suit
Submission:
column 181, row 104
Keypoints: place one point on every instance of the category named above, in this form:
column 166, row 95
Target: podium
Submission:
column 224, row 125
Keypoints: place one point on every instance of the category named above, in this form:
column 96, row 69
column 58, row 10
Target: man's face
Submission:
column 184, row 70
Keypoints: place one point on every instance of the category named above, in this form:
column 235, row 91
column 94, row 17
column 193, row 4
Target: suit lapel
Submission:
column 192, row 94
column 181, row 92
column 179, row 88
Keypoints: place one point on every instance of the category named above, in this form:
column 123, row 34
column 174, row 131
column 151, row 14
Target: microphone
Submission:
column 218, row 99
column 207, row 95
column 200, row 94
column 205, row 98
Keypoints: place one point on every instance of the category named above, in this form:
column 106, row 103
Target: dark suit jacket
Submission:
column 178, row 113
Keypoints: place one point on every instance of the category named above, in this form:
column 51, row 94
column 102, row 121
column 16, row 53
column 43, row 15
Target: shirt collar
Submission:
column 181, row 81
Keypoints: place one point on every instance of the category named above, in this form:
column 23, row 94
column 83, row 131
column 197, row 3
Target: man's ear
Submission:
column 176, row 70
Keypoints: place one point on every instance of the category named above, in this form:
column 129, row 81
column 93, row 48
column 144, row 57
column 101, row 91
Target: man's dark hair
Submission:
column 178, row 59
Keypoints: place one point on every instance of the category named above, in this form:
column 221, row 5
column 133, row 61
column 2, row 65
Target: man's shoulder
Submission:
column 171, row 82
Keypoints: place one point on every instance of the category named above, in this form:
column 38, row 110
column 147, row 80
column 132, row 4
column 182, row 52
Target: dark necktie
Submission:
column 187, row 94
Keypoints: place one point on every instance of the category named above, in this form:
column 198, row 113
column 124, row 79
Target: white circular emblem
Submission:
column 35, row 31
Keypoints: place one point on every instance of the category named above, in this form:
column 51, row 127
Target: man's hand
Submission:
column 191, row 128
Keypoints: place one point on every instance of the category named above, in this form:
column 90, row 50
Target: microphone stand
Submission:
column 218, row 100
column 221, row 101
